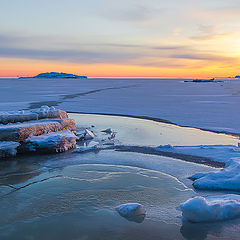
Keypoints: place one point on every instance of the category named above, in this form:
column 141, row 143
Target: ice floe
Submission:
column 212, row 208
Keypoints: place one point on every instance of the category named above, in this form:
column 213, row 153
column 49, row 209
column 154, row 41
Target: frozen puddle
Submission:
column 73, row 196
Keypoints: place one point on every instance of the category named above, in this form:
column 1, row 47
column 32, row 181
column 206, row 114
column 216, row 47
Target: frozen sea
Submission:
column 73, row 196
column 212, row 105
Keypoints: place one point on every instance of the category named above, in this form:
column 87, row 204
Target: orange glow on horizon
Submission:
column 25, row 67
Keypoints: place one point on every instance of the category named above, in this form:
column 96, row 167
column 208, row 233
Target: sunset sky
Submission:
column 127, row 38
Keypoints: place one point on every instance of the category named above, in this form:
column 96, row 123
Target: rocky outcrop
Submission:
column 43, row 130
column 21, row 131
column 51, row 142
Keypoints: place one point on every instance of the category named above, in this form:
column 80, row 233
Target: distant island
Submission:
column 203, row 80
column 238, row 76
column 55, row 75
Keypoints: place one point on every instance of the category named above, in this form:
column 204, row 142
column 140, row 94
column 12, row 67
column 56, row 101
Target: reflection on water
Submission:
column 73, row 196
column 134, row 131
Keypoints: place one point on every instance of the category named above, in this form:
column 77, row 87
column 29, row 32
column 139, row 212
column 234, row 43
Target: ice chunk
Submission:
column 94, row 148
column 89, row 135
column 108, row 131
column 8, row 149
column 132, row 211
column 225, row 179
column 213, row 208
column 50, row 112
column 113, row 135
column 21, row 131
column 52, row 142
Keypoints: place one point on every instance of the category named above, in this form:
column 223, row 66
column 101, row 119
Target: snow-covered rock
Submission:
column 225, row 179
column 132, row 212
column 8, row 149
column 212, row 208
column 45, row 129
column 60, row 141
column 54, row 75
column 21, row 131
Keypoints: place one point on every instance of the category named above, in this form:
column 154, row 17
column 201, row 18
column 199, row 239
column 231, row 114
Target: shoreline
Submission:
column 183, row 157
column 207, row 161
column 159, row 120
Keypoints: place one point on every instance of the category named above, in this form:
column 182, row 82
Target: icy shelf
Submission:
column 44, row 112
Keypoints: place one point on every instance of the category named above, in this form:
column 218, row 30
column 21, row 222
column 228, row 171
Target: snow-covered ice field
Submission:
column 81, row 190
column 204, row 105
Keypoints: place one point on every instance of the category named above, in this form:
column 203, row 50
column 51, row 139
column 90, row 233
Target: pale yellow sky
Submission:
column 107, row 38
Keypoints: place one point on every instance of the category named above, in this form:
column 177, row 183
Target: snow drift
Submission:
column 212, row 208
column 217, row 153
column 225, row 179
